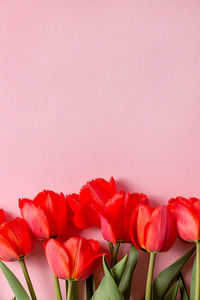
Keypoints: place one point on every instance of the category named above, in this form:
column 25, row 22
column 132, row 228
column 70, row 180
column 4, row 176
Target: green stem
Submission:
column 114, row 254
column 57, row 287
column 110, row 245
column 28, row 280
column 66, row 287
column 197, row 283
column 150, row 276
column 69, row 292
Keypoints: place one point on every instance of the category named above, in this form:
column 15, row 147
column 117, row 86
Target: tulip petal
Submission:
column 195, row 204
column 187, row 220
column 113, row 212
column 121, row 207
column 107, row 231
column 160, row 231
column 86, row 216
column 171, row 233
column 113, row 184
column 133, row 231
column 58, row 259
column 35, row 218
column 74, row 201
column 131, row 203
column 90, row 267
column 81, row 251
column 87, row 206
column 17, row 234
column 188, row 224
column 53, row 205
column 97, row 191
column 144, row 215
column 2, row 216
column 7, row 253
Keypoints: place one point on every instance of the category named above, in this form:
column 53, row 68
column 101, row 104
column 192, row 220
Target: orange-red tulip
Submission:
column 187, row 215
column 46, row 215
column 117, row 214
column 153, row 230
column 90, row 202
column 15, row 240
column 76, row 259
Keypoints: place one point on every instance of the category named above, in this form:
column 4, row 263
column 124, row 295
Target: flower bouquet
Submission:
column 122, row 217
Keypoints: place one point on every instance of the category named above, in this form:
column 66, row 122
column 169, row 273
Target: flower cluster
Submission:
column 120, row 216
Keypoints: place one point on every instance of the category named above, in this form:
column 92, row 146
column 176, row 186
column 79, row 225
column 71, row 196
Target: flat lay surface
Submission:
column 97, row 89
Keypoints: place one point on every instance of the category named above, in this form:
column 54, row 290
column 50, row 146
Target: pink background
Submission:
column 93, row 89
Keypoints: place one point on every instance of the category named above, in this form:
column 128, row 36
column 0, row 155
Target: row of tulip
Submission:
column 123, row 218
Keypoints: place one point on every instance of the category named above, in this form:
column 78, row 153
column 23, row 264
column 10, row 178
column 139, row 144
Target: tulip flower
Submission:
column 152, row 230
column 91, row 200
column 187, row 215
column 15, row 244
column 46, row 215
column 15, row 240
column 75, row 259
column 120, row 208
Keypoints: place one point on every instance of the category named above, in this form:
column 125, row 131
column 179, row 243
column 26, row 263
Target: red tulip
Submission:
column 15, row 240
column 75, row 259
column 117, row 214
column 46, row 215
column 91, row 200
column 187, row 215
column 153, row 230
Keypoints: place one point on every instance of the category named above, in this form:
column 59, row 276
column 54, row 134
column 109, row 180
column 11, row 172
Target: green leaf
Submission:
column 118, row 270
column 125, row 283
column 113, row 291
column 14, row 283
column 108, row 289
column 165, row 278
column 193, row 281
column 182, row 286
column 173, row 291
column 14, row 298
